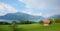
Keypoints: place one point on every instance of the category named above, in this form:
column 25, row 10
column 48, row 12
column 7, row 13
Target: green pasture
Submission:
column 31, row 27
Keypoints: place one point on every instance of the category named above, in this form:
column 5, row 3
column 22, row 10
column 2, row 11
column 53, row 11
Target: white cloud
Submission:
column 5, row 8
column 41, row 4
column 33, row 3
column 32, row 12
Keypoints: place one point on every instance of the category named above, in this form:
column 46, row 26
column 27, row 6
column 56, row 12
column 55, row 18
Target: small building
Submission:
column 47, row 22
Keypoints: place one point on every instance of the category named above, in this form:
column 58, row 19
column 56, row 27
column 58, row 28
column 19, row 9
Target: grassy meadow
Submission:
column 31, row 27
column 5, row 28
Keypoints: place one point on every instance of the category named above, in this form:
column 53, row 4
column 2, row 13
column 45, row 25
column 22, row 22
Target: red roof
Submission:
column 47, row 21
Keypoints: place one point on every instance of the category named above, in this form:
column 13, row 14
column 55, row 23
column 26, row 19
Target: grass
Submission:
column 32, row 27
column 39, row 27
column 5, row 28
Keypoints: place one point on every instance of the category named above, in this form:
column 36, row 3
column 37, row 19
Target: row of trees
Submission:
column 55, row 20
column 4, row 23
column 20, row 22
column 26, row 22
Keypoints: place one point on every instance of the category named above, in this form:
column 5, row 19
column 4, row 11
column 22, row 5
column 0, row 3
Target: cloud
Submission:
column 5, row 8
column 44, row 8
column 32, row 12
column 41, row 4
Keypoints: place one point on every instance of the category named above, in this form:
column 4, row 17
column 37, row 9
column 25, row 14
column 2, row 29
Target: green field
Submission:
column 32, row 27
column 5, row 28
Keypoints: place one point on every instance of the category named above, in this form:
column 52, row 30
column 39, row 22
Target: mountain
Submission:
column 55, row 16
column 21, row 16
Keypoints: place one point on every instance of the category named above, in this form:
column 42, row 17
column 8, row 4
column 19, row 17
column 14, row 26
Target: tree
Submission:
column 14, row 25
column 57, row 20
column 4, row 23
column 51, row 20
column 22, row 21
column 26, row 22
column 41, row 21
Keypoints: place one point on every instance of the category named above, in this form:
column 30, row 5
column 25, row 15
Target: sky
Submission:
column 43, row 8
